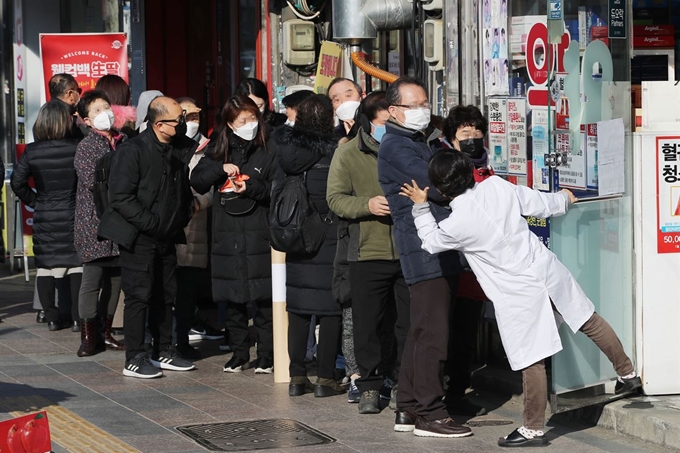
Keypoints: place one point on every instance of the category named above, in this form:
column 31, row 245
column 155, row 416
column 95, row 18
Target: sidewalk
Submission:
column 93, row 408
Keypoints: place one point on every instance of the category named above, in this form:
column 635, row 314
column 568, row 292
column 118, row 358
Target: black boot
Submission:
column 299, row 385
column 328, row 387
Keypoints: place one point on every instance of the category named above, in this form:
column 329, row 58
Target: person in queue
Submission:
column 64, row 88
column 49, row 161
column 100, row 288
column 375, row 272
column 291, row 103
column 192, row 257
column 405, row 149
column 523, row 278
column 118, row 92
column 346, row 95
column 256, row 90
column 307, row 148
column 150, row 204
column 239, row 169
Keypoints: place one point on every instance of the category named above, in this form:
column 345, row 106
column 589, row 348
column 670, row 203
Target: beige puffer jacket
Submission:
column 196, row 251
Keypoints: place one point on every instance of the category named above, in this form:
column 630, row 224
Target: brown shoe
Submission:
column 444, row 427
column 328, row 387
column 404, row 422
column 88, row 338
column 109, row 341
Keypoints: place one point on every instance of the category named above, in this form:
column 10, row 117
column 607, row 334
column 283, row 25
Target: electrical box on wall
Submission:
column 433, row 42
column 298, row 42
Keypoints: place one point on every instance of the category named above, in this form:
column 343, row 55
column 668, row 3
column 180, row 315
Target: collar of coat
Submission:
column 428, row 135
column 367, row 143
column 324, row 145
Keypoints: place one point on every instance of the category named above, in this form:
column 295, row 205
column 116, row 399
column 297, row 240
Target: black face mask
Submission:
column 473, row 147
column 180, row 130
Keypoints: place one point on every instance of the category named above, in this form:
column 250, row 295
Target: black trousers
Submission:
column 46, row 286
column 148, row 280
column 330, row 331
column 237, row 326
column 189, row 285
column 465, row 318
column 375, row 285
column 425, row 352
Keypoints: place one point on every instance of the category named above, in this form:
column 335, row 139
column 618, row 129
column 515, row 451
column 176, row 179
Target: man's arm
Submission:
column 339, row 191
column 123, row 186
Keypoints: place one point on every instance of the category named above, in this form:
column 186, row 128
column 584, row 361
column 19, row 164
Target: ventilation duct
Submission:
column 356, row 21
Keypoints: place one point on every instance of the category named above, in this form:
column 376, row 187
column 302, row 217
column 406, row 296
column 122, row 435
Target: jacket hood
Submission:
column 143, row 105
column 124, row 114
column 299, row 150
column 367, row 143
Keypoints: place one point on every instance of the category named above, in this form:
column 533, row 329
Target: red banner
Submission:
column 87, row 57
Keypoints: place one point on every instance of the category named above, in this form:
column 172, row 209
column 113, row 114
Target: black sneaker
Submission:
column 140, row 367
column 624, row 386
column 369, row 402
column 186, row 351
column 386, row 389
column 264, row 366
column 169, row 359
column 224, row 346
column 204, row 333
column 235, row 365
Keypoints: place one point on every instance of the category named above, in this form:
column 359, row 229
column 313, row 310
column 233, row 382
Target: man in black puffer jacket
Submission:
column 150, row 199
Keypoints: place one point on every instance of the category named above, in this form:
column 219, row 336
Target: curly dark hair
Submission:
column 461, row 116
column 451, row 173
column 315, row 114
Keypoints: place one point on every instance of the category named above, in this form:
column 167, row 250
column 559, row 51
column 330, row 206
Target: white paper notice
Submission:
column 611, row 154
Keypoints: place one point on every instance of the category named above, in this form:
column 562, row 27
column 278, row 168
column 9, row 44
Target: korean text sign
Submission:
column 668, row 194
column 87, row 57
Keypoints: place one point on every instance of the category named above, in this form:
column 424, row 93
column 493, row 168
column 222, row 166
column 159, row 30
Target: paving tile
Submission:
column 167, row 443
column 120, row 421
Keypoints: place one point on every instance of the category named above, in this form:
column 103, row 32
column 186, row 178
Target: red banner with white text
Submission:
column 86, row 56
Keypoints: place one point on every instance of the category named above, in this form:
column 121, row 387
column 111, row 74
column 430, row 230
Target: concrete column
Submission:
column 280, row 315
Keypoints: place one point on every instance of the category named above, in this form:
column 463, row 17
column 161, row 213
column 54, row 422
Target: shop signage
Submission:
column 617, row 19
column 87, row 57
column 517, row 137
column 329, row 66
column 555, row 12
column 498, row 134
column 667, row 194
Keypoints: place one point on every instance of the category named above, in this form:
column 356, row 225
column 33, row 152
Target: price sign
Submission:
column 617, row 19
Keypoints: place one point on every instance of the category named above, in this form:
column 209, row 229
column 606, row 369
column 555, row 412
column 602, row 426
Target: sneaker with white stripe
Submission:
column 140, row 367
column 169, row 359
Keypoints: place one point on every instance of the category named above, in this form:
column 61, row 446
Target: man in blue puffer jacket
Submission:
column 405, row 150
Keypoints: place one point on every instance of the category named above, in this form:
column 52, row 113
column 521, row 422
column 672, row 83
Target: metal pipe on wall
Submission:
column 355, row 21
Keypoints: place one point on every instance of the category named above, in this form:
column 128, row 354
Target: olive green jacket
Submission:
column 352, row 182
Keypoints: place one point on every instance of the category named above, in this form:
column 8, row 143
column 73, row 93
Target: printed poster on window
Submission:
column 498, row 134
column 539, row 140
column 86, row 56
column 495, row 48
column 667, row 195
column 517, row 137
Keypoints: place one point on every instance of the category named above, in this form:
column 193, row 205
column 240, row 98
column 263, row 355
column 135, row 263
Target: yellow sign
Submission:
column 329, row 66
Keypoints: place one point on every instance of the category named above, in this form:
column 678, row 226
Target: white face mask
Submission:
column 347, row 110
column 104, row 120
column 417, row 119
column 248, row 131
column 192, row 129
column 290, row 123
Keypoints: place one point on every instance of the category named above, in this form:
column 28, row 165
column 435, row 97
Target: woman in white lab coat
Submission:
column 524, row 280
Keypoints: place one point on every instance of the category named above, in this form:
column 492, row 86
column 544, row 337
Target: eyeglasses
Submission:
column 181, row 119
column 424, row 105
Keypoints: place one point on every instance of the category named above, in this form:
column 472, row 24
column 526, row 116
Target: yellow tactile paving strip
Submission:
column 73, row 433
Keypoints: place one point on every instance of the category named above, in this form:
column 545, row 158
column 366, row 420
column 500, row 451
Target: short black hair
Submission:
column 451, row 173
column 294, row 99
column 344, row 79
column 393, row 94
column 60, row 84
column 315, row 114
column 461, row 116
column 87, row 99
column 373, row 103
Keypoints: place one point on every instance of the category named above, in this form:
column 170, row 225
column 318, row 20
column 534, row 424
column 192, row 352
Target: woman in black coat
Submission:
column 49, row 160
column 308, row 147
column 240, row 169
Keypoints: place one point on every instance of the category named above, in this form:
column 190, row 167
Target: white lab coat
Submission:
column 515, row 270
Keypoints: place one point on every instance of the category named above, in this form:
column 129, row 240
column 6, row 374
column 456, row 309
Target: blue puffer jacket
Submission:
column 403, row 156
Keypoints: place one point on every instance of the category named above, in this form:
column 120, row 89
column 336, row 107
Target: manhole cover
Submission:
column 255, row 435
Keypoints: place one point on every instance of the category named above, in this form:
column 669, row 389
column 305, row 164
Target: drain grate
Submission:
column 255, row 435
